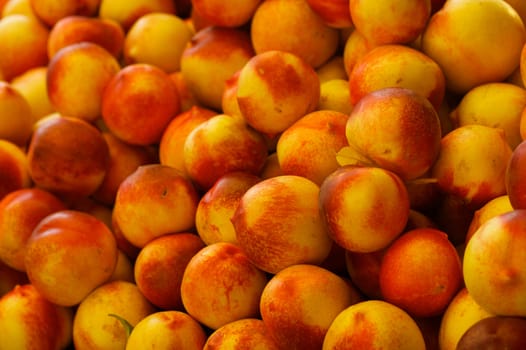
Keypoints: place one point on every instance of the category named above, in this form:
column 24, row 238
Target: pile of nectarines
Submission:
column 262, row 174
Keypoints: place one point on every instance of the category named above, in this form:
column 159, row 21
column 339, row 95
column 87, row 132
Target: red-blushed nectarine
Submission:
column 167, row 330
column 275, row 89
column 472, row 163
column 335, row 13
column 390, row 21
column 449, row 36
column 397, row 65
column 226, row 14
column 287, row 25
column 30, row 321
column 421, row 272
column 138, row 103
column 20, row 212
column 96, row 323
column 307, row 147
column 492, row 264
column 221, row 285
column 363, row 208
column 461, row 313
column 68, row 255
column 221, row 145
column 397, row 129
column 76, row 28
column 218, row 204
column 213, row 56
column 160, row 265
column 300, row 302
column 15, row 169
column 247, row 333
column 23, row 41
column 171, row 146
column 77, row 76
column 375, row 325
column 159, row 189
column 67, row 156
column 229, row 103
column 278, row 223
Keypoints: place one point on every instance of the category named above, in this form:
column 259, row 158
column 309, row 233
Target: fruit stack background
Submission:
column 262, row 174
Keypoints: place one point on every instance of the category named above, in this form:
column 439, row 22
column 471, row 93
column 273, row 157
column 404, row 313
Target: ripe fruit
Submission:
column 213, row 56
column 373, row 324
column 335, row 13
column 68, row 255
column 16, row 117
column 158, row 189
column 499, row 332
column 496, row 206
column 217, row 206
column 248, row 333
column 67, row 156
column 363, row 208
column 138, row 103
column 275, row 89
column 96, row 322
column 20, row 212
column 222, row 14
column 278, row 223
column 77, row 77
column 14, row 164
column 221, row 145
column 314, row 160
column 74, row 29
column 497, row 105
column 171, row 146
column 390, row 21
column 127, row 12
column 165, row 256
column 493, row 270
column 32, row 85
column 461, row 313
column 285, row 25
column 421, row 272
column 472, row 163
column 397, row 65
column 50, row 12
column 466, row 63
column 25, row 39
column 396, row 129
column 299, row 303
column 158, row 39
column 220, row 285
column 167, row 330
column 29, row 320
